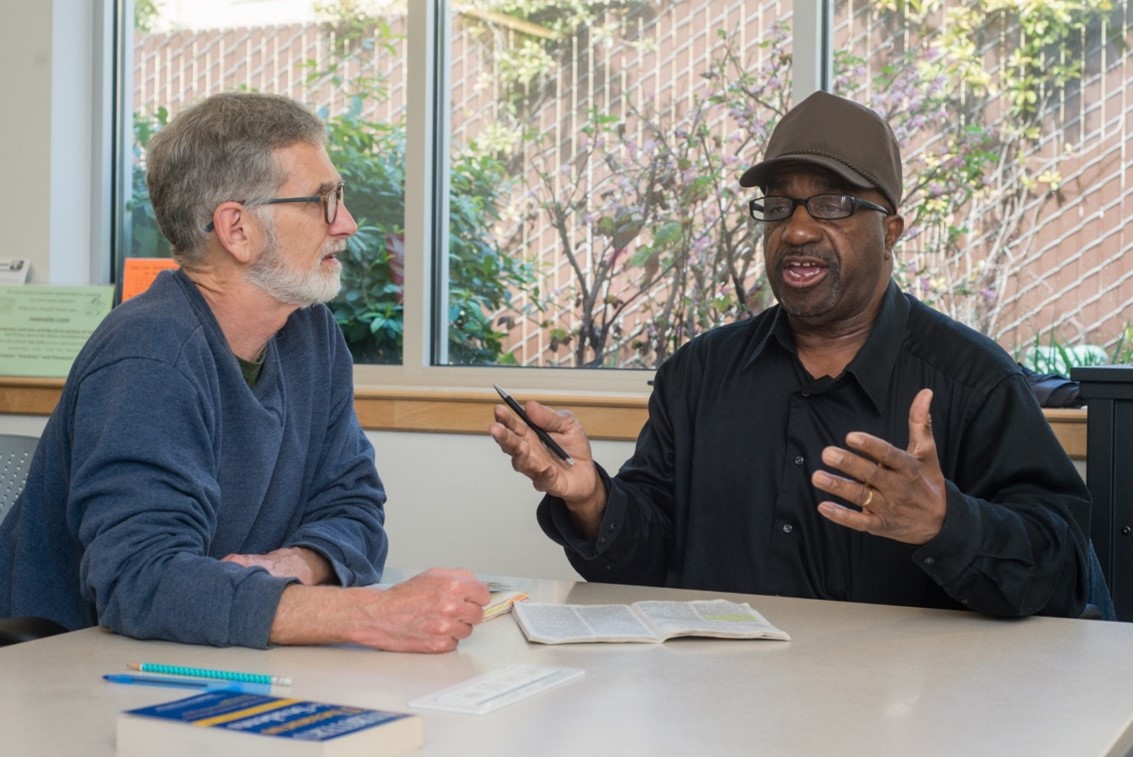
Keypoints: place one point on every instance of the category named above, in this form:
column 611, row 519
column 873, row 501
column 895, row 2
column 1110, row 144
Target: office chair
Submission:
column 15, row 458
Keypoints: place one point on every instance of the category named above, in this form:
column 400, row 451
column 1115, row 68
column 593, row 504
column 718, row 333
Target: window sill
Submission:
column 435, row 410
column 613, row 417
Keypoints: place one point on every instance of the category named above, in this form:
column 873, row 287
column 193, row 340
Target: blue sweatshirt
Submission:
column 159, row 459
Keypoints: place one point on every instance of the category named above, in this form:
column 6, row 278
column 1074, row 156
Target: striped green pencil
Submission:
column 223, row 675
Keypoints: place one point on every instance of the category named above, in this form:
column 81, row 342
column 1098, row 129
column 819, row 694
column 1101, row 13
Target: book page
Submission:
column 718, row 618
column 560, row 624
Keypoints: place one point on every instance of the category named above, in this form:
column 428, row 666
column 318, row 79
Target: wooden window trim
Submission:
column 612, row 417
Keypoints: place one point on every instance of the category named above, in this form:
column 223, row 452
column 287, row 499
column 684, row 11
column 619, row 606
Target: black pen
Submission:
column 544, row 437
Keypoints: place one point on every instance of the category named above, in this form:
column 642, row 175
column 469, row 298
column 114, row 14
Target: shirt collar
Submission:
column 777, row 329
column 872, row 367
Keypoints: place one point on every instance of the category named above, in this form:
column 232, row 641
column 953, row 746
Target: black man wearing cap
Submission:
column 849, row 443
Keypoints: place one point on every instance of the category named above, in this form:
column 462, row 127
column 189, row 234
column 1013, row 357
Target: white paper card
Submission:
column 14, row 270
column 494, row 690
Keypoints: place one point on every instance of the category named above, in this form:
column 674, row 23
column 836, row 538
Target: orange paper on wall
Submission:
column 139, row 273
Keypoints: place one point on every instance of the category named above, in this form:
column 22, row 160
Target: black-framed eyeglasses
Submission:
column 331, row 200
column 826, row 207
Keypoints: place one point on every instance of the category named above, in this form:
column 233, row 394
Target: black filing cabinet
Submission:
column 1108, row 391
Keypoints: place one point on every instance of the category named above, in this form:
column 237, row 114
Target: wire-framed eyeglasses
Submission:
column 331, row 200
column 826, row 207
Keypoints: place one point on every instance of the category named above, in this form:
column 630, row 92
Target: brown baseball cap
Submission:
column 840, row 135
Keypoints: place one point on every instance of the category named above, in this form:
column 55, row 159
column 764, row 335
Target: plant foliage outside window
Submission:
column 370, row 155
column 645, row 208
column 972, row 90
column 619, row 238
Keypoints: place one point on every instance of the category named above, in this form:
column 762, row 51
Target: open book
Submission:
column 642, row 621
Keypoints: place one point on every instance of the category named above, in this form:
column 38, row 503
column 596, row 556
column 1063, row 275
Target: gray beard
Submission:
column 289, row 285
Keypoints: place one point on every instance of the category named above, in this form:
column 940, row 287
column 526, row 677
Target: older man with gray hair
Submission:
column 204, row 477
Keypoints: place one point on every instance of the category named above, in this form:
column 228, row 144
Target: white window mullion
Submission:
column 421, row 156
column 813, row 48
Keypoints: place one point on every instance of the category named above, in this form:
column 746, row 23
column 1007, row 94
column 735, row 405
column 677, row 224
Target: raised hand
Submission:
column 901, row 492
column 578, row 485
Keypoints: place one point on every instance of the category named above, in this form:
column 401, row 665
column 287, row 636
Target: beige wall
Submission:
column 25, row 127
column 453, row 501
column 47, row 134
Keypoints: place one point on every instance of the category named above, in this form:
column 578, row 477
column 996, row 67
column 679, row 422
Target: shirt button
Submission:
column 788, row 528
column 929, row 560
column 611, row 527
column 806, row 394
column 602, row 540
column 799, row 460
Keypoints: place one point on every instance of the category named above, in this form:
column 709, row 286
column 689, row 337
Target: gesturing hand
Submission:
column 901, row 492
column 579, row 485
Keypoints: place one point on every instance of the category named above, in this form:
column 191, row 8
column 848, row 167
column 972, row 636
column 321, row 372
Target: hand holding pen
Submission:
column 544, row 437
column 546, row 463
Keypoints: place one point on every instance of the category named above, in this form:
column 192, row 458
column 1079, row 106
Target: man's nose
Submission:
column 344, row 224
column 800, row 225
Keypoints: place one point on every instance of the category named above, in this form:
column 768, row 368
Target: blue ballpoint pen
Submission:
column 184, row 683
column 206, row 684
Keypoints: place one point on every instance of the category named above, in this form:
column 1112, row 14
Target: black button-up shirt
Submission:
column 718, row 493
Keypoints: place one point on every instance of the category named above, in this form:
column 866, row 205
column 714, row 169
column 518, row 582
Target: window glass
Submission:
column 1013, row 122
column 348, row 67
column 593, row 150
column 597, row 148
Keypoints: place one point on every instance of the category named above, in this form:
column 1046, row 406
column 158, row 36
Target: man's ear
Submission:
column 234, row 226
column 894, row 228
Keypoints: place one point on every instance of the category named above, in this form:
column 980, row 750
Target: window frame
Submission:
column 426, row 203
